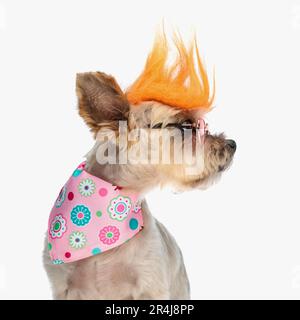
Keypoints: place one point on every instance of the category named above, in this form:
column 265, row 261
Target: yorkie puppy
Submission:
column 102, row 241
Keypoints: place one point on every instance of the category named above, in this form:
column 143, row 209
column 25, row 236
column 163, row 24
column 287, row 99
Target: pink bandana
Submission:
column 91, row 216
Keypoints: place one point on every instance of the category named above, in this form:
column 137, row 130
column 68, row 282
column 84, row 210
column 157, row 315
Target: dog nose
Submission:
column 231, row 144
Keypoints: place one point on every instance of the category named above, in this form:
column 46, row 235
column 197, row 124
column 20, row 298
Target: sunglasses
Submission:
column 200, row 126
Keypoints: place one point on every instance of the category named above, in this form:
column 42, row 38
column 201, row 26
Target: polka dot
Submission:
column 120, row 207
column 77, row 172
column 80, row 215
column 96, row 251
column 68, row 255
column 133, row 224
column 70, row 196
column 99, row 213
column 49, row 246
column 57, row 226
column 103, row 192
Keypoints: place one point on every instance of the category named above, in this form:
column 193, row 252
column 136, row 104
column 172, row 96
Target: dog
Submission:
column 122, row 251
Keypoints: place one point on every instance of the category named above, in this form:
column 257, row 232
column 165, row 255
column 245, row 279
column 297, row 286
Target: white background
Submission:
column 240, row 238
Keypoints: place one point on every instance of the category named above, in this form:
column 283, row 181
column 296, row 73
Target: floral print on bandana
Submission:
column 137, row 208
column 58, row 227
column 119, row 208
column 61, row 197
column 77, row 240
column 57, row 261
column 78, row 170
column 86, row 187
column 91, row 216
column 109, row 235
column 80, row 215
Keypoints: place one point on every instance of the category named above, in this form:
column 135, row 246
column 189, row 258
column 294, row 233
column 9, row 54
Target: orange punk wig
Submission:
column 182, row 84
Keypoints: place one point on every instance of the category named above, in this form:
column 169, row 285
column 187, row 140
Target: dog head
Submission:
column 163, row 108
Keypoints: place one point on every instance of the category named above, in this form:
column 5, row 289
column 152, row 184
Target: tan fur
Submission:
column 150, row 265
column 100, row 98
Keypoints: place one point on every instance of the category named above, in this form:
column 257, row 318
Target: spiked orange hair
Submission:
column 177, row 85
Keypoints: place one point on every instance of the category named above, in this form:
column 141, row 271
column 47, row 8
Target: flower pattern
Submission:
column 109, row 235
column 89, row 217
column 137, row 208
column 61, row 197
column 86, row 187
column 58, row 227
column 78, row 170
column 77, row 240
column 80, row 215
column 119, row 208
column 57, row 261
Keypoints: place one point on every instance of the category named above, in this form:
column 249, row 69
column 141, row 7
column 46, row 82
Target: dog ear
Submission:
column 100, row 99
